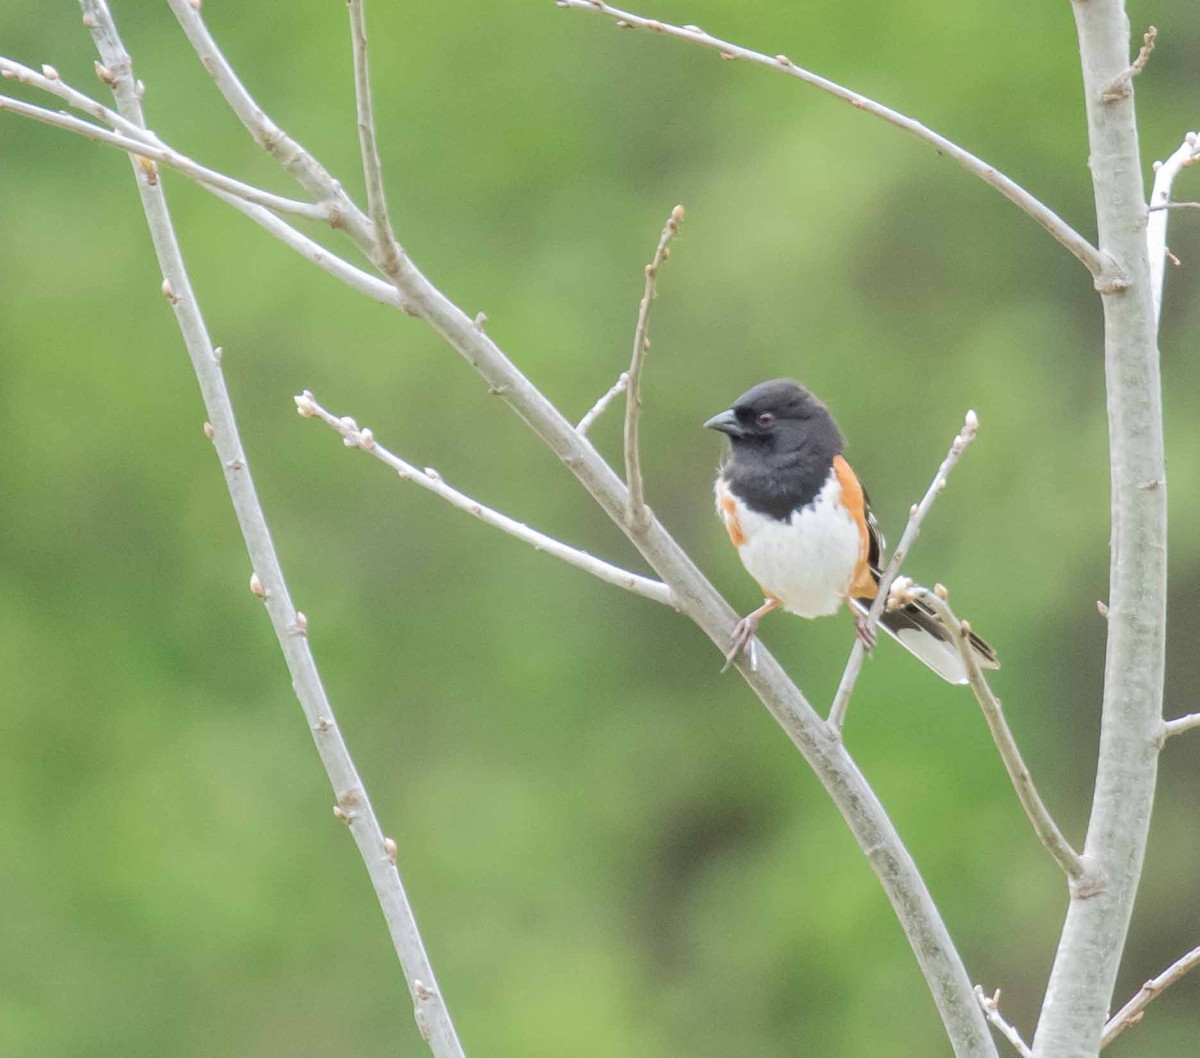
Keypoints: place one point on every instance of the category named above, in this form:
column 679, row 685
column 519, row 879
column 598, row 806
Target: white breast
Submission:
column 807, row 563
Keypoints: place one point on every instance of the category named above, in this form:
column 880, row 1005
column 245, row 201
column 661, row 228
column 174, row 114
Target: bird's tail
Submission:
column 917, row 628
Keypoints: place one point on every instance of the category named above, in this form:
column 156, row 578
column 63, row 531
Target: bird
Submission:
column 802, row 525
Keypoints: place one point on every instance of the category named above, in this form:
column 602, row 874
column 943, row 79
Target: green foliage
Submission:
column 611, row 849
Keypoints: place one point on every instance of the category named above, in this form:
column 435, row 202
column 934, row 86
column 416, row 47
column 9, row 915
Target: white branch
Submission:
column 267, row 581
column 858, row 653
column 991, row 1011
column 308, row 172
column 1131, row 1013
column 633, row 390
column 1097, row 921
column 1181, row 724
column 385, row 238
column 903, row 592
column 361, row 437
column 157, row 152
column 1160, row 199
column 1098, row 263
column 599, row 407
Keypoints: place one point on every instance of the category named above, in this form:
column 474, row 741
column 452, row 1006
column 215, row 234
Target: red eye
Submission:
column 765, row 421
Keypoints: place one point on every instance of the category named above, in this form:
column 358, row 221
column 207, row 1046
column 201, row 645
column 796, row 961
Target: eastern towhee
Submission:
column 803, row 527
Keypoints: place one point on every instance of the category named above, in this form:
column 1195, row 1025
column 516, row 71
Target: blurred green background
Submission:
column 611, row 849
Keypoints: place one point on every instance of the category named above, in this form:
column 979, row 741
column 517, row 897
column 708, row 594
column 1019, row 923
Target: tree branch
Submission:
column 602, row 404
column 1097, row 922
column 904, row 591
column 158, row 152
column 385, row 237
column 858, row 653
column 1181, row 724
column 633, row 391
column 353, row 806
column 361, row 437
column 1160, row 200
column 1098, row 263
column 991, row 1011
column 1131, row 1013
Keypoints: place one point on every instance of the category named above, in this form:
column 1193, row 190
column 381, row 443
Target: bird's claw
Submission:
column 743, row 633
column 864, row 631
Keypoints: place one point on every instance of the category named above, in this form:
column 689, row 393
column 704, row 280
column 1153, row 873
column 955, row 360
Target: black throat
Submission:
column 784, row 473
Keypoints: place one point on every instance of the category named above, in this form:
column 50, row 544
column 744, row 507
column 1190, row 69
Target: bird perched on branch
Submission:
column 803, row 527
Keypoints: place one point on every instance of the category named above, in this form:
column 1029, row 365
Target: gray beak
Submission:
column 726, row 422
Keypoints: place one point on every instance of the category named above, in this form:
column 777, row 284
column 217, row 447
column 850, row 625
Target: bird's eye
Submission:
column 765, row 421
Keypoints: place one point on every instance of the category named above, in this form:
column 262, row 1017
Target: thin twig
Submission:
column 991, row 1011
column 1176, row 205
column 858, row 653
column 267, row 581
column 1131, row 1013
column 385, row 237
column 1160, row 202
column 638, row 515
column 599, row 407
column 355, row 278
column 361, row 437
column 50, row 81
column 904, row 591
column 1181, row 724
column 1096, row 261
column 158, row 152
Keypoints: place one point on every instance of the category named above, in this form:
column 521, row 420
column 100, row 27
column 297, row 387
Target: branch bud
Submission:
column 305, row 405
column 49, row 72
column 168, row 291
column 208, row 430
column 366, row 438
column 105, row 74
column 256, row 586
column 389, row 849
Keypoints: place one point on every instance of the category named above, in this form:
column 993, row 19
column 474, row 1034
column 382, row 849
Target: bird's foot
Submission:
column 743, row 632
column 864, row 631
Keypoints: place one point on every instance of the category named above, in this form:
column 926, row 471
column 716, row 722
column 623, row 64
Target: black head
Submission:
column 782, row 441
column 776, row 417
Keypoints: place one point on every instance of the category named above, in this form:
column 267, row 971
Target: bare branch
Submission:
column 602, row 404
column 638, row 514
column 1160, row 203
column 77, row 100
column 361, row 437
column 1102, row 267
column 267, row 581
column 1181, row 724
column 904, row 591
column 991, row 1011
column 1093, row 936
column 365, row 283
column 1131, row 1013
column 858, row 653
column 157, row 152
column 385, row 237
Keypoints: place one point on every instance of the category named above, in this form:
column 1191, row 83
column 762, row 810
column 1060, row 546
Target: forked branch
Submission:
column 991, row 1010
column 1132, row 1012
column 1102, row 267
column 1082, row 880
column 362, row 437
